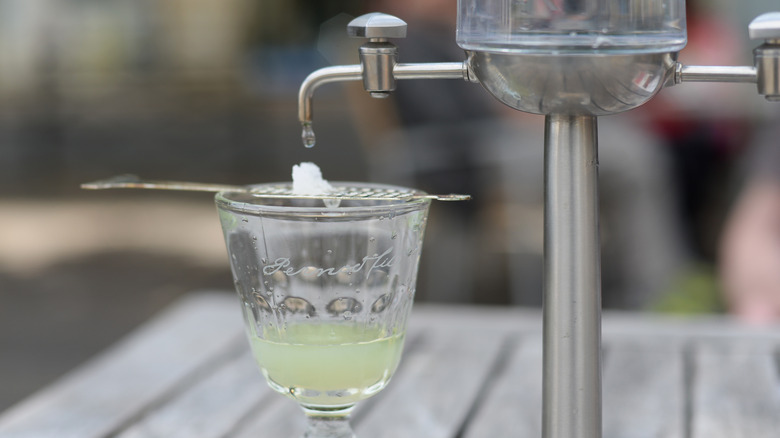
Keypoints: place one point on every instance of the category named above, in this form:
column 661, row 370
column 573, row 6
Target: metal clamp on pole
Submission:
column 767, row 56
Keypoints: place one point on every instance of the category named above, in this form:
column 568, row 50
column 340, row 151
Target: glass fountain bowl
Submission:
column 590, row 57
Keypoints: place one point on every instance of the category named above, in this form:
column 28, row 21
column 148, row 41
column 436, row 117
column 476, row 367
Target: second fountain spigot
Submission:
column 767, row 56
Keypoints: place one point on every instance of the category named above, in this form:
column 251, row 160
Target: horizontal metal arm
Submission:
column 706, row 73
column 432, row 70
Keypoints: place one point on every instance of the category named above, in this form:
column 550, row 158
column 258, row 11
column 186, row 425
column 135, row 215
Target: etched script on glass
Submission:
column 376, row 261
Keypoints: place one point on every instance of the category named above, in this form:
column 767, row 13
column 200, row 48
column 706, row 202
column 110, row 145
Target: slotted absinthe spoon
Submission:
column 270, row 191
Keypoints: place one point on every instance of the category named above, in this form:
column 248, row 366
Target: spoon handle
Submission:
column 134, row 182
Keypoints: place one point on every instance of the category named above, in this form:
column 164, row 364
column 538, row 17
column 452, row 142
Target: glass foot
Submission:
column 328, row 424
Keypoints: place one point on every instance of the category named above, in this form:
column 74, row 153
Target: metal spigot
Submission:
column 767, row 56
column 378, row 66
column 765, row 72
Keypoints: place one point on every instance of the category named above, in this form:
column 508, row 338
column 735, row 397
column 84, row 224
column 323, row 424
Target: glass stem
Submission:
column 328, row 424
column 328, row 427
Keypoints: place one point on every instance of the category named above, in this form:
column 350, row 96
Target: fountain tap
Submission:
column 765, row 72
column 767, row 56
column 379, row 68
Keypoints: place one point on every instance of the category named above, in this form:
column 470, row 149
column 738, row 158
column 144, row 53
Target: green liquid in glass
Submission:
column 327, row 364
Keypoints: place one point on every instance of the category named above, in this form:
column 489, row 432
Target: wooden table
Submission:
column 468, row 372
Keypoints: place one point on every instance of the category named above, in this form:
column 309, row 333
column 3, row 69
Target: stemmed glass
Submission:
column 326, row 293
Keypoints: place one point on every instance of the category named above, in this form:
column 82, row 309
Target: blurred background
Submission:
column 206, row 90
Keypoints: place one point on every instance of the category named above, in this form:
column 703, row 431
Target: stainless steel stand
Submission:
column 572, row 288
column 556, row 87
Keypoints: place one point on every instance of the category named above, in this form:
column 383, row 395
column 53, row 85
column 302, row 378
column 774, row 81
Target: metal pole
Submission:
column 571, row 406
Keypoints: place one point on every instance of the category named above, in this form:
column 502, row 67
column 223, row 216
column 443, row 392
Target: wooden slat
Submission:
column 735, row 390
column 211, row 407
column 684, row 327
column 434, row 391
column 453, row 316
column 282, row 417
column 643, row 388
column 109, row 391
column 513, row 403
column 649, row 381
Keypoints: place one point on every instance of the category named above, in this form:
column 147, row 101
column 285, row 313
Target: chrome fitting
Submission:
column 378, row 56
column 378, row 60
column 767, row 56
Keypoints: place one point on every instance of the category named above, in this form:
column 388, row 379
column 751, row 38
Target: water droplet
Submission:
column 308, row 135
column 372, row 239
column 243, row 219
column 332, row 202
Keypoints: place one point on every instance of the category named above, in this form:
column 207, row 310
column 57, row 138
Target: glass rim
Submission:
column 267, row 205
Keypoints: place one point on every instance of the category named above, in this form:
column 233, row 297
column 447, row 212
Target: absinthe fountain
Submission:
column 571, row 61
